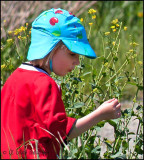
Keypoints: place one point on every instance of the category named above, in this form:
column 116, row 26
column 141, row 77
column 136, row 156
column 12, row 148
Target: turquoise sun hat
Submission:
column 53, row 26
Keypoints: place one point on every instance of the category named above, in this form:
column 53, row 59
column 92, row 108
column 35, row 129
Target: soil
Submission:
column 108, row 131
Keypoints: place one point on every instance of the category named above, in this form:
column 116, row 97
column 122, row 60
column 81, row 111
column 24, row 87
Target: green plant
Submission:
column 116, row 68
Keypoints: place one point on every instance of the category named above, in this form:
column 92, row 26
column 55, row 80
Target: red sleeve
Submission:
column 49, row 108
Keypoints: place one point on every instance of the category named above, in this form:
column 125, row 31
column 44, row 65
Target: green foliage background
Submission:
column 116, row 72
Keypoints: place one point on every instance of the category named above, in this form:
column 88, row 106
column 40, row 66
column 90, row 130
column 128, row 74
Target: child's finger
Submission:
column 115, row 102
column 109, row 101
column 118, row 106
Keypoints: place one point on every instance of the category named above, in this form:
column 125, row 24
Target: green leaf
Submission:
column 134, row 84
column 115, row 58
column 95, row 152
column 127, row 111
column 138, row 107
column 77, row 105
column 112, row 122
column 138, row 149
column 101, row 124
column 56, row 33
column 140, row 87
column 108, row 145
column 86, row 74
column 77, row 79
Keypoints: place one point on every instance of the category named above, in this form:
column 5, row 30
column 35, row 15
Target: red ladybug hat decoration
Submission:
column 56, row 25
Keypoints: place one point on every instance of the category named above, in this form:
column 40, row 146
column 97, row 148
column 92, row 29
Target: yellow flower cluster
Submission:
column 115, row 25
column 114, row 21
column 134, row 44
column 17, row 31
column 9, row 40
column 91, row 11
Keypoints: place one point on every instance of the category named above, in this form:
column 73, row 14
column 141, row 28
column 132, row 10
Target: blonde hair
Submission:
column 44, row 62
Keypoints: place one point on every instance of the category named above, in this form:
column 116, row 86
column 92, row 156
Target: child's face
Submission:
column 64, row 61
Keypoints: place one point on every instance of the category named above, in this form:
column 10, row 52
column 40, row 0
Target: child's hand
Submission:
column 110, row 109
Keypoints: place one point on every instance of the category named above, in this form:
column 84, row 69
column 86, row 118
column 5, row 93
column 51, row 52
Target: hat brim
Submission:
column 41, row 45
column 80, row 47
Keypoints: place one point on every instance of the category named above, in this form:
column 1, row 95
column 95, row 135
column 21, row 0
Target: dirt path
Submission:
column 108, row 131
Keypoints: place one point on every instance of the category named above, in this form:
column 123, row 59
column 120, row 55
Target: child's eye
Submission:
column 73, row 54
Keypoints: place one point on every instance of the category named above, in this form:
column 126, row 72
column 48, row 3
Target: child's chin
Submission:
column 62, row 74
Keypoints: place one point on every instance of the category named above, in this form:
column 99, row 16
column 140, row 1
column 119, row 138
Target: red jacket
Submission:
column 31, row 110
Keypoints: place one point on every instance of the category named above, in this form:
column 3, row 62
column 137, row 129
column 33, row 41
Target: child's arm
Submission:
column 108, row 110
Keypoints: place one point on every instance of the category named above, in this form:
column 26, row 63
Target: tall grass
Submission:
column 116, row 35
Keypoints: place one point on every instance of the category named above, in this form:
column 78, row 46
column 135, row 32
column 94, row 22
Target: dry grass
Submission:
column 17, row 13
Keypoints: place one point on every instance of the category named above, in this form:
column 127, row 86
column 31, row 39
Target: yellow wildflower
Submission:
column 16, row 32
column 131, row 50
column 81, row 19
column 94, row 17
column 106, row 64
column 114, row 30
column 26, row 24
column 112, row 27
column 134, row 44
column 107, row 33
column 95, row 90
column 3, row 66
column 125, row 28
column 117, row 25
column 113, row 42
column 23, row 38
column 140, row 14
column 9, row 40
column 19, row 37
column 22, row 28
column 4, row 21
column 90, row 24
column 10, row 32
column 92, row 11
column 114, row 21
column 140, row 62
column 29, row 32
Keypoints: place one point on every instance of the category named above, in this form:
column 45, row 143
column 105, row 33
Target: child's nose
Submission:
column 77, row 60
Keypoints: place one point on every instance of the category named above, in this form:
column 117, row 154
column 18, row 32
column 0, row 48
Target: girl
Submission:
column 32, row 111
